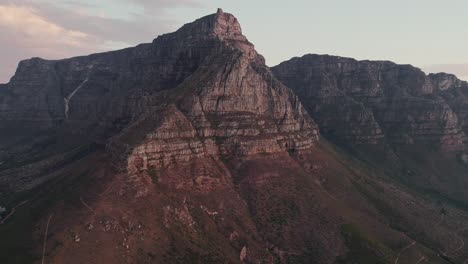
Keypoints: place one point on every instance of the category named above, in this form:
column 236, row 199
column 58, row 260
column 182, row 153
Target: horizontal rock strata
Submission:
column 367, row 101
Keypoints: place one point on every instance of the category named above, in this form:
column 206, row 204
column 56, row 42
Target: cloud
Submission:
column 133, row 29
column 25, row 33
column 64, row 28
column 29, row 28
column 461, row 70
column 152, row 5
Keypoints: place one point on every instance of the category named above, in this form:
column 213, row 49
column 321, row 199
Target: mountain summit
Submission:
column 220, row 24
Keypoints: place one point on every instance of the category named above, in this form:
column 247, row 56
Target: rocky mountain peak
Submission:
column 444, row 81
column 218, row 26
column 227, row 26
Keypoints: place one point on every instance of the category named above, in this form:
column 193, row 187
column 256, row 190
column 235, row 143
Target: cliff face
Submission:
column 174, row 110
column 230, row 106
column 98, row 91
column 200, row 91
column 228, row 87
column 194, row 113
column 367, row 101
column 455, row 92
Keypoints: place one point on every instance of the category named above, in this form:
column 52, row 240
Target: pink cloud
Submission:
column 25, row 33
column 54, row 30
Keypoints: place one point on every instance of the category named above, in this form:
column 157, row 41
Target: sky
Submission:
column 429, row 34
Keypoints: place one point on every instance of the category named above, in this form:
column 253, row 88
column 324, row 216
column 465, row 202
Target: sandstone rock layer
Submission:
column 368, row 101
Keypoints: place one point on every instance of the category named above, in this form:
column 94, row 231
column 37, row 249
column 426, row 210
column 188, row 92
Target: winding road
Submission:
column 12, row 212
column 462, row 242
column 86, row 205
column 325, row 190
column 423, row 258
column 403, row 250
column 458, row 237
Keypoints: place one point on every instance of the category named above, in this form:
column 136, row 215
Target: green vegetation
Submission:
column 17, row 233
column 442, row 198
column 443, row 211
column 381, row 205
column 283, row 210
column 363, row 250
column 153, row 174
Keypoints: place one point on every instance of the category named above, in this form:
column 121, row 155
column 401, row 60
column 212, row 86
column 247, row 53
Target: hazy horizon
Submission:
column 426, row 34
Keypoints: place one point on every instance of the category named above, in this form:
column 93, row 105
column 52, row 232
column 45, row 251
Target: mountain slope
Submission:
column 421, row 119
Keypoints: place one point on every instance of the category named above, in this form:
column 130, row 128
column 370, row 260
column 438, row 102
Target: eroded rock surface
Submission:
column 230, row 106
column 367, row 101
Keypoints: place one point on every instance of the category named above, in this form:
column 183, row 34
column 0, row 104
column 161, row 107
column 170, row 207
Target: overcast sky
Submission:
column 429, row 34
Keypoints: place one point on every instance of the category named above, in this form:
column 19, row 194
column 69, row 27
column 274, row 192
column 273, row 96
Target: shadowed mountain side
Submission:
column 376, row 101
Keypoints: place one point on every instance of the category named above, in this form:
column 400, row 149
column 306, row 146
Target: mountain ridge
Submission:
column 370, row 88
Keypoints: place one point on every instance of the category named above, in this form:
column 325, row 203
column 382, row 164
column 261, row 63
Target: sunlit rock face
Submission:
column 230, row 106
column 119, row 84
column 370, row 101
column 217, row 96
column 225, row 90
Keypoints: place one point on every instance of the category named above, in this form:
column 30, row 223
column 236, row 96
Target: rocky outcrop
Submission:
column 370, row 101
column 455, row 92
column 183, row 113
column 32, row 94
column 114, row 86
column 230, row 107
column 226, row 90
column 198, row 92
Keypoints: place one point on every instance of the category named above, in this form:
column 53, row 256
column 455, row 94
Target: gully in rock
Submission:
column 69, row 97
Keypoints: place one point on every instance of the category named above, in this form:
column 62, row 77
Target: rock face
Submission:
column 113, row 86
column 371, row 101
column 200, row 93
column 218, row 86
column 197, row 114
column 229, row 107
column 455, row 92
column 194, row 96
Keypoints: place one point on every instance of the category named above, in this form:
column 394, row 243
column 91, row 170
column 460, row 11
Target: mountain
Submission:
column 373, row 101
column 190, row 149
column 381, row 103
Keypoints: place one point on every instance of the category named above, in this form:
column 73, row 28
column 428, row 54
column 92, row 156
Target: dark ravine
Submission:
column 190, row 149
